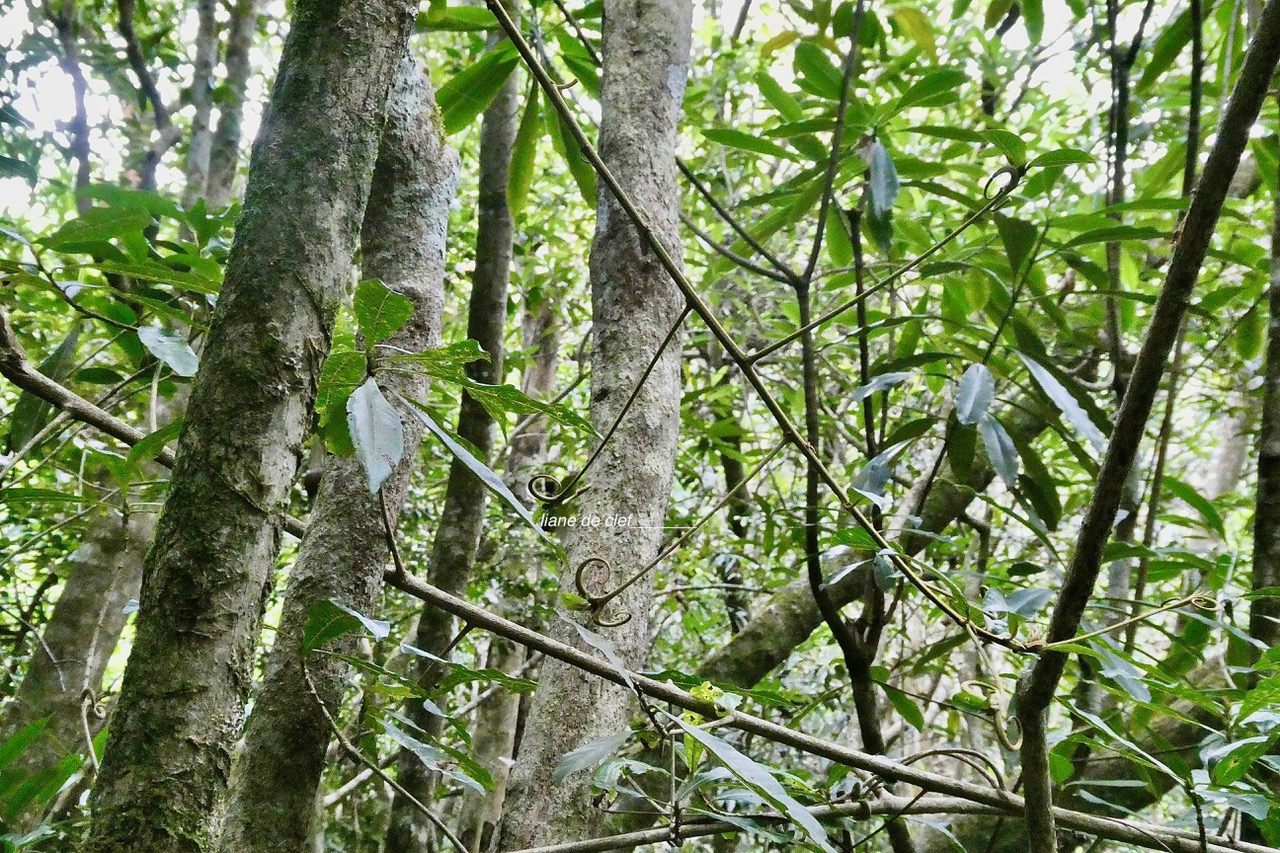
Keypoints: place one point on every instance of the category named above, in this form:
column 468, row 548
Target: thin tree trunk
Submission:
column 634, row 306
column 224, row 155
column 494, row 741
column 168, row 759
column 200, row 141
column 457, row 538
column 344, row 552
column 69, row 658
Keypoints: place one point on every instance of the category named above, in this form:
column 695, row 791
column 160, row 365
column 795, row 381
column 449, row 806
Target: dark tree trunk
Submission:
column 457, row 538
column 344, row 552
column 168, row 759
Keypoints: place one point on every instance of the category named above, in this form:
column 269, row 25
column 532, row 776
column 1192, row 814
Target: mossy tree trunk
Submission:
column 344, row 552
column 168, row 758
column 634, row 305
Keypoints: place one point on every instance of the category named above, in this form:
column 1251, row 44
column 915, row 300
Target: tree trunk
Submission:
column 200, row 141
column 634, row 305
column 70, row 657
column 344, row 552
column 496, row 719
column 457, row 539
column 224, row 155
column 168, row 759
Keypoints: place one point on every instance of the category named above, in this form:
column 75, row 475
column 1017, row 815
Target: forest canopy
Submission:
column 546, row 425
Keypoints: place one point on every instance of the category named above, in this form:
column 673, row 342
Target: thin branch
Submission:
column 15, row 367
column 1040, row 682
column 1132, row 832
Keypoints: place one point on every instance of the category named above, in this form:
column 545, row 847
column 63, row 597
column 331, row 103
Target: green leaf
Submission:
column 917, row 28
column 380, row 311
column 16, row 744
column 330, row 619
column 1033, row 17
column 1062, row 157
column 759, row 780
column 780, row 99
column 12, row 167
column 587, row 756
column 436, row 755
column 1000, row 450
column 1010, row 144
column 1198, row 502
column 376, row 433
column 471, row 91
column 150, row 446
column 456, row 19
column 746, row 142
column 343, row 372
column 974, row 396
column 1165, row 50
column 996, row 12
column 817, row 73
column 486, row 474
column 461, row 674
column 927, row 89
column 171, row 348
column 524, row 154
column 1019, row 238
column 86, row 233
column 905, row 706
column 584, row 175
column 1066, row 403
column 604, row 647
column 31, row 413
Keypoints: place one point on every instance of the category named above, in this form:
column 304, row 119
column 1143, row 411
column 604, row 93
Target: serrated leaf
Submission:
column 974, row 396
column 171, row 348
column 759, row 780
column 327, row 620
column 1001, row 453
column 588, row 756
column 376, row 433
column 524, row 153
column 380, row 311
column 471, row 91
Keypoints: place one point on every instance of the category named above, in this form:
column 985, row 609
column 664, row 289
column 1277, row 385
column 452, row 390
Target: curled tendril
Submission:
column 544, row 488
column 550, row 492
column 1012, row 176
column 601, row 617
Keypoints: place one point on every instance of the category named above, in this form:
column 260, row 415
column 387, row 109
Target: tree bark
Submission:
column 497, row 718
column 457, row 539
column 344, row 553
column 70, row 657
column 200, row 140
column 634, row 305
column 168, row 759
column 224, row 155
